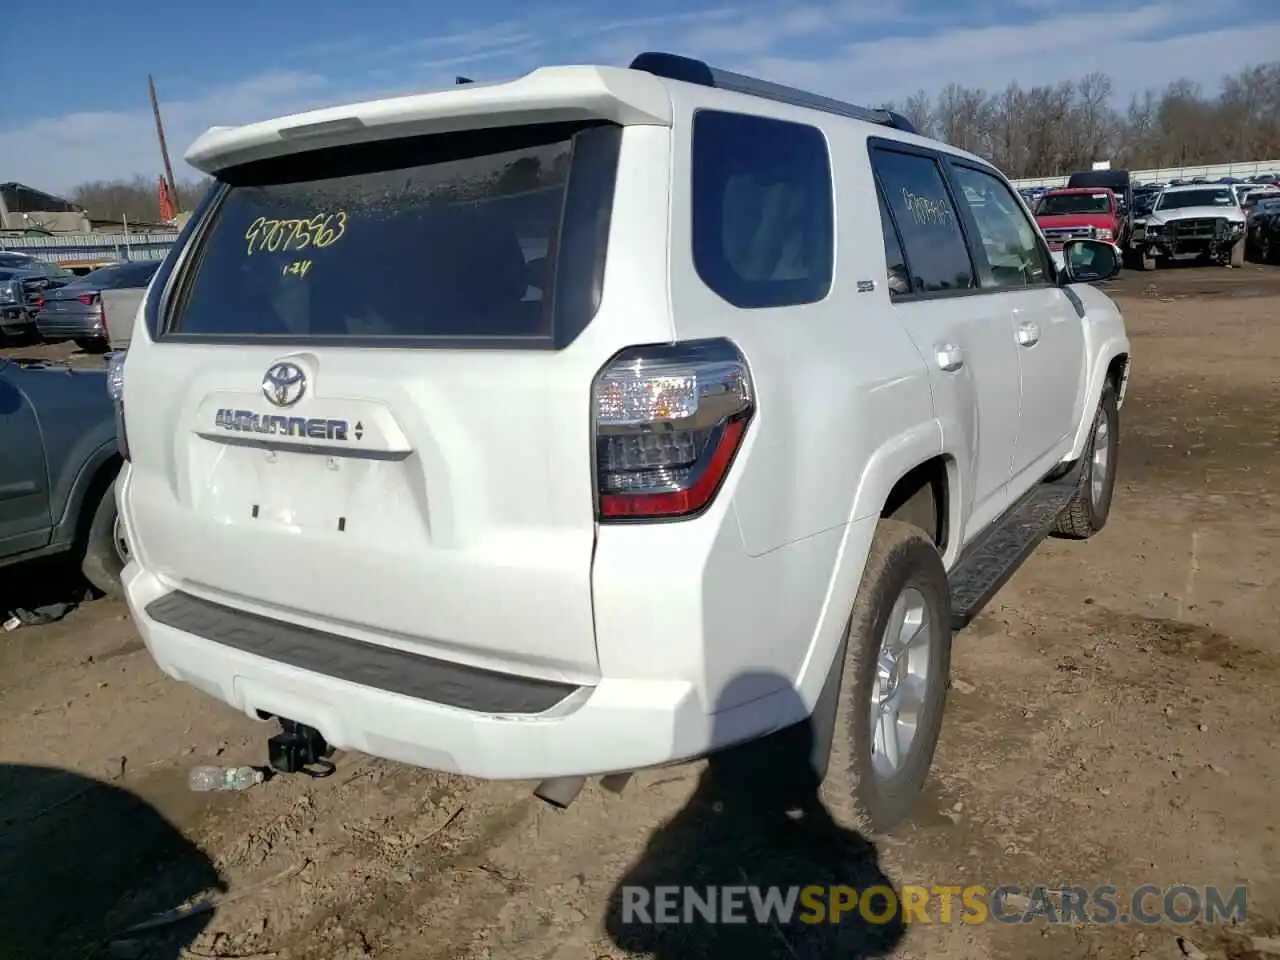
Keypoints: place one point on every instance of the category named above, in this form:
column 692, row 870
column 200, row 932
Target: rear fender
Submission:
column 884, row 468
column 97, row 470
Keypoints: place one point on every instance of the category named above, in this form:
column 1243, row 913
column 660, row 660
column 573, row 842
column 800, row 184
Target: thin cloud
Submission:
column 864, row 50
column 1118, row 45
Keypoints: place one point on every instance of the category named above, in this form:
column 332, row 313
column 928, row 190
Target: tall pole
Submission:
column 164, row 149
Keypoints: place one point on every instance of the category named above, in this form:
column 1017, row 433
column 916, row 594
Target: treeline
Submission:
column 1050, row 130
column 138, row 199
column 1026, row 132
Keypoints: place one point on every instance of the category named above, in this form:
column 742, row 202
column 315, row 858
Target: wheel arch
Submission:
column 93, row 481
column 1112, row 367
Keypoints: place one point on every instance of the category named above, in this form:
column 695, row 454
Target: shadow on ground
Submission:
column 81, row 861
column 41, row 591
column 755, row 821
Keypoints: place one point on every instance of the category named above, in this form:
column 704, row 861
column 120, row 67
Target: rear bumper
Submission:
column 616, row 725
column 16, row 320
column 69, row 328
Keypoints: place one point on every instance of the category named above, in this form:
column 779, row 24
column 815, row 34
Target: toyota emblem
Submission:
column 284, row 384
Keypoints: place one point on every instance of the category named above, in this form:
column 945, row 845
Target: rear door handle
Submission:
column 949, row 356
column 1028, row 334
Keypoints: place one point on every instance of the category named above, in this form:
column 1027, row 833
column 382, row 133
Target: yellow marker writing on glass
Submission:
column 287, row 236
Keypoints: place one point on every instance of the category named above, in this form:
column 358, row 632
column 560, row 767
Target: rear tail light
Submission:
column 115, row 387
column 668, row 421
column 87, row 298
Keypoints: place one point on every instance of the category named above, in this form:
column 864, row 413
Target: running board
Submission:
column 989, row 562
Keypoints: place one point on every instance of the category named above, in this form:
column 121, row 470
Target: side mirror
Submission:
column 1088, row 261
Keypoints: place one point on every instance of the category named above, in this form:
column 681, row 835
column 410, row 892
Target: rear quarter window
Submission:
column 763, row 218
column 441, row 237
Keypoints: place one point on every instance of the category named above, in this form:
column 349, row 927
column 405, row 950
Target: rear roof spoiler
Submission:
column 547, row 95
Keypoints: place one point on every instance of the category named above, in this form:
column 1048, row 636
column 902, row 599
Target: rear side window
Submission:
column 450, row 236
column 932, row 238
column 763, row 215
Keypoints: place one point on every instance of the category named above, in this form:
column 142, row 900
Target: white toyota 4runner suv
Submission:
column 603, row 419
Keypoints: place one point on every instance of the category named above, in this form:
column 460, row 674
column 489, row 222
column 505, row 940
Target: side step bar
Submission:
column 989, row 562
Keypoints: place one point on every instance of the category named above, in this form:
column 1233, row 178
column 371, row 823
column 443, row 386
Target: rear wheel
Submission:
column 895, row 677
column 105, row 550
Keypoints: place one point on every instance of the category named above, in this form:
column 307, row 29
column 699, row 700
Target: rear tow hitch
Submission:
column 299, row 749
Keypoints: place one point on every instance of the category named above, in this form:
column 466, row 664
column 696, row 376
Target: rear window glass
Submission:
column 119, row 276
column 445, row 236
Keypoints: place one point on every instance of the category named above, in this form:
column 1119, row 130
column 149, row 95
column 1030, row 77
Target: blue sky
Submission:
column 234, row 61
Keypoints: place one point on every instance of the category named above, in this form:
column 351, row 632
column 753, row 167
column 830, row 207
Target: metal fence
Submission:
column 93, row 246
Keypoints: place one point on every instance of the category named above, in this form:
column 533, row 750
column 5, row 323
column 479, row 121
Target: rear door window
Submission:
column 932, row 237
column 448, row 236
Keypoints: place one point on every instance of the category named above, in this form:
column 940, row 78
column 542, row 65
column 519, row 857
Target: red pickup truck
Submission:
column 1072, row 213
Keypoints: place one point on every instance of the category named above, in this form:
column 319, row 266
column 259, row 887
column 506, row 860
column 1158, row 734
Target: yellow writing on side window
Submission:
column 281, row 236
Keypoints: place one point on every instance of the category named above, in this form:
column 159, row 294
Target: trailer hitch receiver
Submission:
column 299, row 749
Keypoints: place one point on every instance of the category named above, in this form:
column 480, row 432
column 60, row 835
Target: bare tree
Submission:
column 137, row 199
column 1051, row 130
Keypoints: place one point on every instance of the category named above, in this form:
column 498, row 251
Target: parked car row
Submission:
column 1224, row 221
column 41, row 300
column 1262, row 236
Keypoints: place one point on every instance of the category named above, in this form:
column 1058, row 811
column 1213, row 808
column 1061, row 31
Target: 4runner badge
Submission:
column 308, row 428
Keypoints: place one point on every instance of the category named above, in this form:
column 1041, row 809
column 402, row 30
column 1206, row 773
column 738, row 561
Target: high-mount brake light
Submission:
column 669, row 420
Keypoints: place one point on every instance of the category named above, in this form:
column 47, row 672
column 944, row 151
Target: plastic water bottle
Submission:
column 209, row 779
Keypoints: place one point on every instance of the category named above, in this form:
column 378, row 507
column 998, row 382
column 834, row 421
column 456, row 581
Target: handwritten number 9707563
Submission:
column 285, row 236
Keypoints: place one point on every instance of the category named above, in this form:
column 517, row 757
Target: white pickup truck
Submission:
column 604, row 419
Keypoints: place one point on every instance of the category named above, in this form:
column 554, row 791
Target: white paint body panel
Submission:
column 474, row 539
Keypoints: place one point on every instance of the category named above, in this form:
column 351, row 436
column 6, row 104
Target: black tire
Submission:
column 901, row 557
column 101, row 562
column 93, row 346
column 1267, row 249
column 1087, row 514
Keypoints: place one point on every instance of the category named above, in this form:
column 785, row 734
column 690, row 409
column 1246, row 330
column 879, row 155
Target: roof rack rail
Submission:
column 672, row 66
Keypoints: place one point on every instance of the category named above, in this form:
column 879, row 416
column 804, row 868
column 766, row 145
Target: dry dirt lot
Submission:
column 1115, row 720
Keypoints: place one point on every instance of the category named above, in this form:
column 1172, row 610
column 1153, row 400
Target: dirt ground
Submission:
column 1115, row 720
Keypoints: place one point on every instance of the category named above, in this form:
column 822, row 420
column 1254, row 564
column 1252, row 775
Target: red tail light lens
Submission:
column 87, row 298
column 669, row 421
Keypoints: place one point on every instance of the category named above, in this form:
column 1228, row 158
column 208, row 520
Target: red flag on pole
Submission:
column 166, row 203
